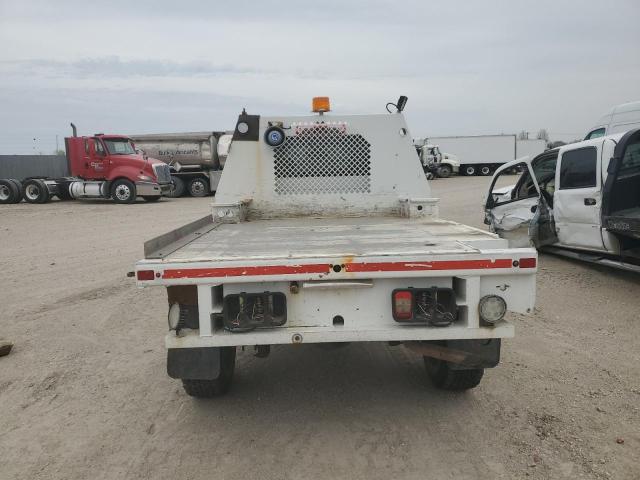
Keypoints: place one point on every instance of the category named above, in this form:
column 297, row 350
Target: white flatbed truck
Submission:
column 323, row 230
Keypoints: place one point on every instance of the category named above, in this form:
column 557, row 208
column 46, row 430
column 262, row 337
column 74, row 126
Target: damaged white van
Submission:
column 581, row 200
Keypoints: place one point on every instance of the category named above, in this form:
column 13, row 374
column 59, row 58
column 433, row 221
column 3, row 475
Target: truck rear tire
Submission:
column 445, row 171
column 9, row 192
column 178, row 187
column 485, row 170
column 123, row 191
column 198, row 187
column 469, row 170
column 444, row 377
column 217, row 386
column 35, row 191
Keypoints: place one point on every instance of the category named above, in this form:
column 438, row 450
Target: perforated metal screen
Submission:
column 322, row 159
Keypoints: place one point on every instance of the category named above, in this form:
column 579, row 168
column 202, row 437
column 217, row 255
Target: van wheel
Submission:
column 445, row 171
column 485, row 170
column 178, row 187
column 469, row 170
column 198, row 187
column 442, row 376
column 123, row 191
column 35, row 191
column 217, row 386
column 9, row 192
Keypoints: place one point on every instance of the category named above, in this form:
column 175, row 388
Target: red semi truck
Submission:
column 98, row 166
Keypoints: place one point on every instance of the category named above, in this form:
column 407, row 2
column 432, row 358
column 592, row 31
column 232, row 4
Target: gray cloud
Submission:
column 467, row 67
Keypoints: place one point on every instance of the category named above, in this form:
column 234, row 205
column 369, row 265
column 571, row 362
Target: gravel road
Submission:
column 84, row 393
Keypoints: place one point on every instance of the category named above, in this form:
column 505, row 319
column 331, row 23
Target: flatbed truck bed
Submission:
column 323, row 231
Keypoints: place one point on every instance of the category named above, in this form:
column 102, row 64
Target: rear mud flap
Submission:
column 194, row 363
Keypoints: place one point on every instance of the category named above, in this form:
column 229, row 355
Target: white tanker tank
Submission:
column 196, row 159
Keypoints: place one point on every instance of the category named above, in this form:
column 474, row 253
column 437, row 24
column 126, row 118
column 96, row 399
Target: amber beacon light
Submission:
column 320, row 105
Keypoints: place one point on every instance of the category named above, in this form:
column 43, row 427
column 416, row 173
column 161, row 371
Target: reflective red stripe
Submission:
column 325, row 268
column 246, row 271
column 528, row 262
column 438, row 265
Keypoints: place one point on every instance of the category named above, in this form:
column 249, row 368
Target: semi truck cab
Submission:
column 121, row 172
column 98, row 166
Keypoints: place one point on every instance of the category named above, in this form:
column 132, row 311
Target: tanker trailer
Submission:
column 196, row 159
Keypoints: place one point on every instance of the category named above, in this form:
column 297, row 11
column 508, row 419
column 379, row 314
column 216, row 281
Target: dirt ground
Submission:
column 84, row 393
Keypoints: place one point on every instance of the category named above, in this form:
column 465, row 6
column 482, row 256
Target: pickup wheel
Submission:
column 123, row 191
column 178, row 187
column 217, row 386
column 35, row 191
column 445, row 378
column 445, row 171
column 198, row 187
column 9, row 191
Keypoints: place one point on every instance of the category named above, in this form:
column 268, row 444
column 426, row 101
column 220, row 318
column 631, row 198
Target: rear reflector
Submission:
column 402, row 305
column 528, row 263
column 145, row 274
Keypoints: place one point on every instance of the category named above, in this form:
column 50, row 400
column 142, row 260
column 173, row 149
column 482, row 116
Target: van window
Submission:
column 597, row 133
column 578, row 168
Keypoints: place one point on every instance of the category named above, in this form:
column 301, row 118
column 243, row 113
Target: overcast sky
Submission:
column 167, row 66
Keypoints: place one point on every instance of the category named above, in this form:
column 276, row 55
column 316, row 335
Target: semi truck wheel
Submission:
column 485, row 170
column 445, row 171
column 469, row 170
column 9, row 192
column 217, row 386
column 198, row 187
column 178, row 187
column 445, row 378
column 123, row 191
column 35, row 191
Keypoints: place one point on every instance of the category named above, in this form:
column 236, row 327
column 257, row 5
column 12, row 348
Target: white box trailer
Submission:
column 315, row 236
column 483, row 154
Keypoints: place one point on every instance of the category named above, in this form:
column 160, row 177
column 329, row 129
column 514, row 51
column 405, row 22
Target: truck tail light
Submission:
column 528, row 262
column 402, row 305
column 145, row 275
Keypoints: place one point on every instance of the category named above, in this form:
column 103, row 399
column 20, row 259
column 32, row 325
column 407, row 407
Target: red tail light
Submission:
column 145, row 274
column 402, row 305
column 528, row 262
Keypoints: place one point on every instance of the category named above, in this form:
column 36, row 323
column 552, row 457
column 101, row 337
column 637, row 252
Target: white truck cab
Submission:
column 581, row 200
column 324, row 230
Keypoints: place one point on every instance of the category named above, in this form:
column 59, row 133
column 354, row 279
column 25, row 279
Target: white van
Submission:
column 620, row 119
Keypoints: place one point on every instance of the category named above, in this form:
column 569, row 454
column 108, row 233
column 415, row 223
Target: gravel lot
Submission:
column 84, row 393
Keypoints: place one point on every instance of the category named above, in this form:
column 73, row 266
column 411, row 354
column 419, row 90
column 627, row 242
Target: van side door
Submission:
column 578, row 198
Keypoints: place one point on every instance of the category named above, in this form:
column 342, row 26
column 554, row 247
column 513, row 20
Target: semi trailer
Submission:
column 97, row 166
column 316, row 237
column 196, row 159
column 483, row 154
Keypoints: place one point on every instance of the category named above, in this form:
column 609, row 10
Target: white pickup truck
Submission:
column 581, row 201
column 323, row 230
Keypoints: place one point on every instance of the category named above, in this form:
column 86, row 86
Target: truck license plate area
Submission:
column 433, row 306
column 243, row 312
